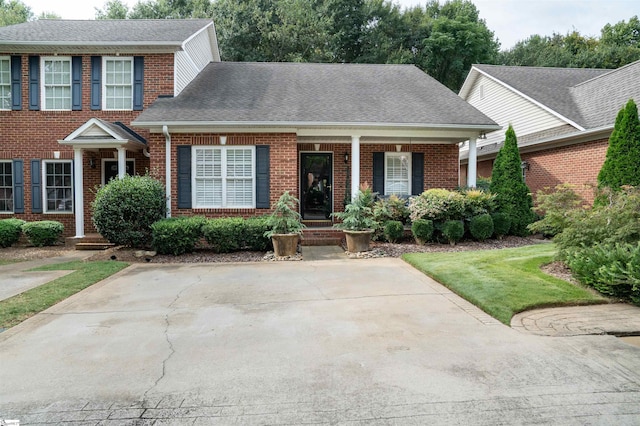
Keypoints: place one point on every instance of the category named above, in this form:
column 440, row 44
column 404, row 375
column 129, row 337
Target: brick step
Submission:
column 321, row 236
column 93, row 246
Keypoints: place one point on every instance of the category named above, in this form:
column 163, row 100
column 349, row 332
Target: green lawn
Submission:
column 22, row 306
column 503, row 282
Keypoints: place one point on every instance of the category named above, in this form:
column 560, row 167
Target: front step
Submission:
column 94, row 246
column 321, row 236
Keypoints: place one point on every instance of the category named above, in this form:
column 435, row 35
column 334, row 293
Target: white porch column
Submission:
column 472, row 165
column 355, row 165
column 122, row 162
column 78, row 199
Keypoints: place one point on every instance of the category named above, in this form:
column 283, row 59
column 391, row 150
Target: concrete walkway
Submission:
column 15, row 278
column 324, row 342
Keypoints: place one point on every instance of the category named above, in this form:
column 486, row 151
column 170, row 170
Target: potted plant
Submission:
column 357, row 220
column 286, row 226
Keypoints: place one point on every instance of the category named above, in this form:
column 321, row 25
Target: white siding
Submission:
column 505, row 107
column 196, row 55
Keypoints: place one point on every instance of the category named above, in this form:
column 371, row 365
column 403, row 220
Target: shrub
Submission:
column 43, row 233
column 10, row 230
column 253, row 234
column 512, row 194
column 613, row 270
column 358, row 215
column 481, row 227
column 438, row 205
column 177, row 235
column 225, row 234
column 422, row 230
column 557, row 207
column 453, row 230
column 501, row 224
column 391, row 208
column 125, row 209
column 477, row 202
column 393, row 230
column 285, row 218
column 621, row 163
column 616, row 222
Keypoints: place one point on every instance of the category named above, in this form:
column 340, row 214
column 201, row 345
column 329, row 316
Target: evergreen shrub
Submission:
column 43, row 233
column 453, row 230
column 501, row 224
column 177, row 235
column 10, row 230
column 393, row 230
column 481, row 227
column 422, row 230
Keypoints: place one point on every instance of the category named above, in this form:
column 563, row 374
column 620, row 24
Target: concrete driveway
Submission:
column 320, row 342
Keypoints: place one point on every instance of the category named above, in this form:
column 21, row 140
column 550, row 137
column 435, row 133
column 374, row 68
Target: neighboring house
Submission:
column 83, row 101
column 563, row 118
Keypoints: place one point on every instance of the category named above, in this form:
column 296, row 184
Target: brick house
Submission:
column 563, row 118
column 85, row 101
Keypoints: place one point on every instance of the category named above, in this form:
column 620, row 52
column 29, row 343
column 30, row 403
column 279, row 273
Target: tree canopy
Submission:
column 14, row 12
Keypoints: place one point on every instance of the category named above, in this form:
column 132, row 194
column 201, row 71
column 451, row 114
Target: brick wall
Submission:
column 31, row 135
column 577, row 164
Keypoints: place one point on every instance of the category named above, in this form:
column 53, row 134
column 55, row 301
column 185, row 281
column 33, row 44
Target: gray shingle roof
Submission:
column 549, row 86
column 102, row 32
column 600, row 99
column 314, row 93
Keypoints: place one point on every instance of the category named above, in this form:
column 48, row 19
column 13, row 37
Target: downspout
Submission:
column 167, row 167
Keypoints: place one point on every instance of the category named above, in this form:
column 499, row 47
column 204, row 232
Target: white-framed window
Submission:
column 397, row 173
column 5, row 82
column 223, row 176
column 57, row 176
column 117, row 75
column 56, row 83
column 6, row 187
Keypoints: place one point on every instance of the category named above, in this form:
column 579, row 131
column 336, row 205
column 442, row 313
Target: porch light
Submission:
column 525, row 165
column 482, row 135
column 346, row 157
column 92, row 161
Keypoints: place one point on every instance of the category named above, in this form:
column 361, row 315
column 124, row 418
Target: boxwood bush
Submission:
column 43, row 233
column 10, row 230
column 501, row 224
column 393, row 230
column 253, row 234
column 177, row 235
column 125, row 209
column 226, row 235
column 422, row 230
column 481, row 227
column 453, row 230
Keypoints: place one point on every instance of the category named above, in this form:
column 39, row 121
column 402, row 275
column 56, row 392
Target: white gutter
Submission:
column 167, row 167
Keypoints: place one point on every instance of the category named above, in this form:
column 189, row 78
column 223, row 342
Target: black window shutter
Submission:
column 417, row 173
column 18, row 186
column 76, row 83
column 16, row 83
column 184, row 176
column 96, row 82
column 262, row 177
column 36, row 187
column 378, row 172
column 138, row 80
column 34, row 83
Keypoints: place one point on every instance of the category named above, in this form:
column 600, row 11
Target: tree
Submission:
column 113, row 9
column 512, row 194
column 14, row 12
column 49, row 15
column 171, row 9
column 623, row 154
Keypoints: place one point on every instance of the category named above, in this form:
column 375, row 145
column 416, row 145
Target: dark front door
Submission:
column 316, row 185
column 111, row 169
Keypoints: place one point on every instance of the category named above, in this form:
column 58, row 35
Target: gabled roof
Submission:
column 169, row 34
column 549, row 87
column 97, row 133
column 237, row 93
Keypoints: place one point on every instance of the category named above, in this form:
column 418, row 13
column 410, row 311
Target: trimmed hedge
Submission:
column 10, row 230
column 481, row 227
column 422, row 230
column 501, row 224
column 43, row 233
column 453, row 230
column 177, row 235
column 230, row 234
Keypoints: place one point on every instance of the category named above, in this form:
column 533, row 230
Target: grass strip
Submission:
column 22, row 306
column 503, row 282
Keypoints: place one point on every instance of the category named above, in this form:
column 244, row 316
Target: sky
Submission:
column 510, row 20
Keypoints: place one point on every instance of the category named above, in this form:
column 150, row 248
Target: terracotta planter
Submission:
column 358, row 241
column 285, row 244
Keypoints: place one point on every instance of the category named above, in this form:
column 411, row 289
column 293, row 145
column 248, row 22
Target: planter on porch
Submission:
column 285, row 244
column 358, row 241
